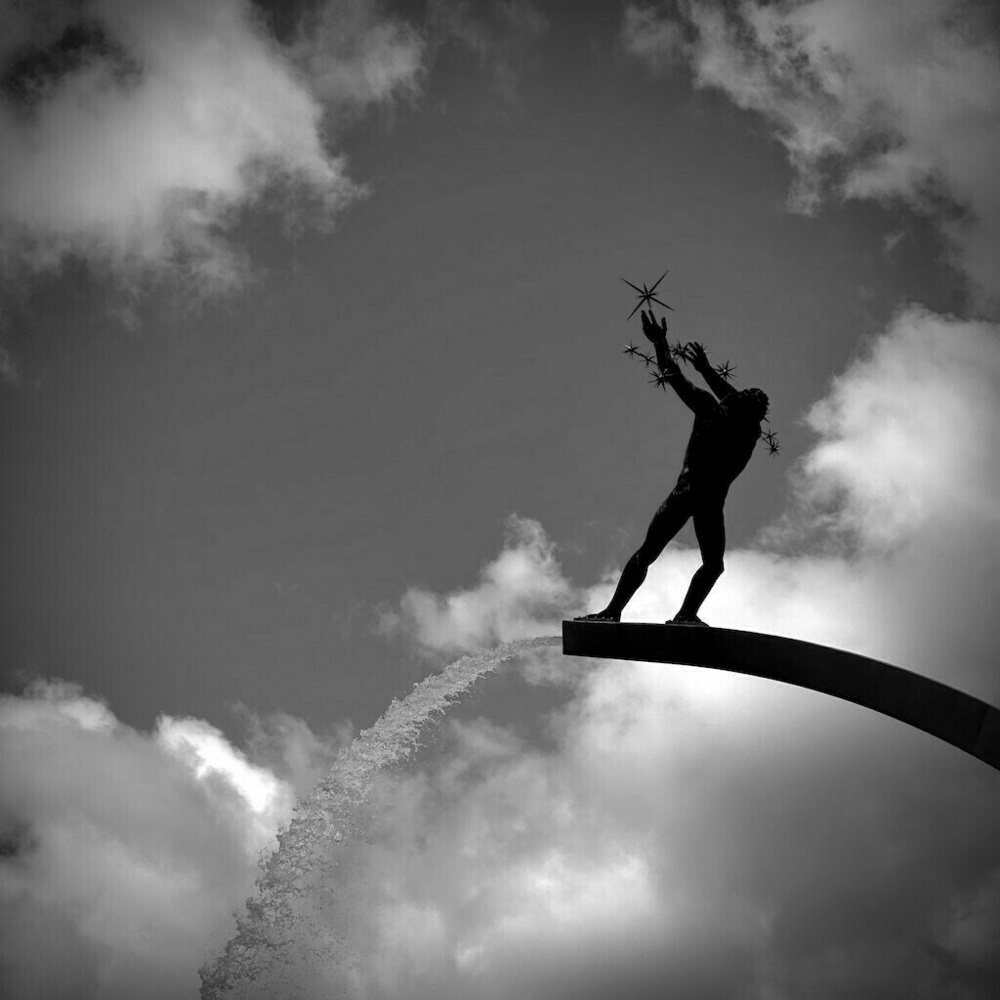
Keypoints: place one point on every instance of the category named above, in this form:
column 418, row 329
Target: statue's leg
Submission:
column 667, row 521
column 710, row 530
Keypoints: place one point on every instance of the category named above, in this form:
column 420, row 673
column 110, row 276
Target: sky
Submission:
column 311, row 378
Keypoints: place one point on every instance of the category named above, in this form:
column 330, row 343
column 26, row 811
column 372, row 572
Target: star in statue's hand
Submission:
column 661, row 379
column 647, row 296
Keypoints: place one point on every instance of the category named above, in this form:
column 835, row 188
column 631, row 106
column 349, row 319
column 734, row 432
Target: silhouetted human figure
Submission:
column 722, row 440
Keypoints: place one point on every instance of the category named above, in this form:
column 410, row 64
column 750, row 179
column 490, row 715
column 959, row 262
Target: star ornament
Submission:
column 630, row 349
column 647, row 296
column 726, row 370
column 660, row 379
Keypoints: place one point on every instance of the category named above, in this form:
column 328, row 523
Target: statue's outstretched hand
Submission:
column 654, row 333
column 695, row 353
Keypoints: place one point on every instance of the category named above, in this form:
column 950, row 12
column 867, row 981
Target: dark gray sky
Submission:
column 263, row 432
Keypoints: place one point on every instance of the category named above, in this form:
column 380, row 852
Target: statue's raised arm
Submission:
column 713, row 379
column 697, row 399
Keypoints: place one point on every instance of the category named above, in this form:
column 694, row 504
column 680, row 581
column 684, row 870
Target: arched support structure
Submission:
column 957, row 718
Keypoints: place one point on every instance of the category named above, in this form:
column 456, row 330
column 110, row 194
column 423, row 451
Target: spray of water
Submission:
column 291, row 923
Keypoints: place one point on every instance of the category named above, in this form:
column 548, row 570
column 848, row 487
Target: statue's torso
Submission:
column 720, row 446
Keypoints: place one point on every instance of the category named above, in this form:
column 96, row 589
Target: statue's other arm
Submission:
column 697, row 399
column 701, row 364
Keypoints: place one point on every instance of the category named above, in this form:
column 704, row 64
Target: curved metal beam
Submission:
column 957, row 718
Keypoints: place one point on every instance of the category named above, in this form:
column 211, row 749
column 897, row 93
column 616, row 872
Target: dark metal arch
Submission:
column 953, row 716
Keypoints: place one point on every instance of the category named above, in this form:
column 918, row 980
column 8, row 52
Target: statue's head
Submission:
column 753, row 402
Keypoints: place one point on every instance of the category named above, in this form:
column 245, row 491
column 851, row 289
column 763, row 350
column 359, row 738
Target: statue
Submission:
column 723, row 437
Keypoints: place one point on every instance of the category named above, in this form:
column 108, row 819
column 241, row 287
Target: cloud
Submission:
column 122, row 853
column 356, row 56
column 521, row 591
column 10, row 372
column 511, row 872
column 658, row 41
column 289, row 748
column 136, row 133
column 896, row 101
column 500, row 35
column 904, row 432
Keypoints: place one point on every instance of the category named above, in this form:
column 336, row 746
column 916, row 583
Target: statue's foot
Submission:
column 680, row 619
column 598, row 616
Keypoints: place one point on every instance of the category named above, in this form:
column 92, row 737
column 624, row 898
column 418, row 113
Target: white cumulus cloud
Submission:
column 906, row 433
column 135, row 133
column 122, row 854
column 518, row 591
